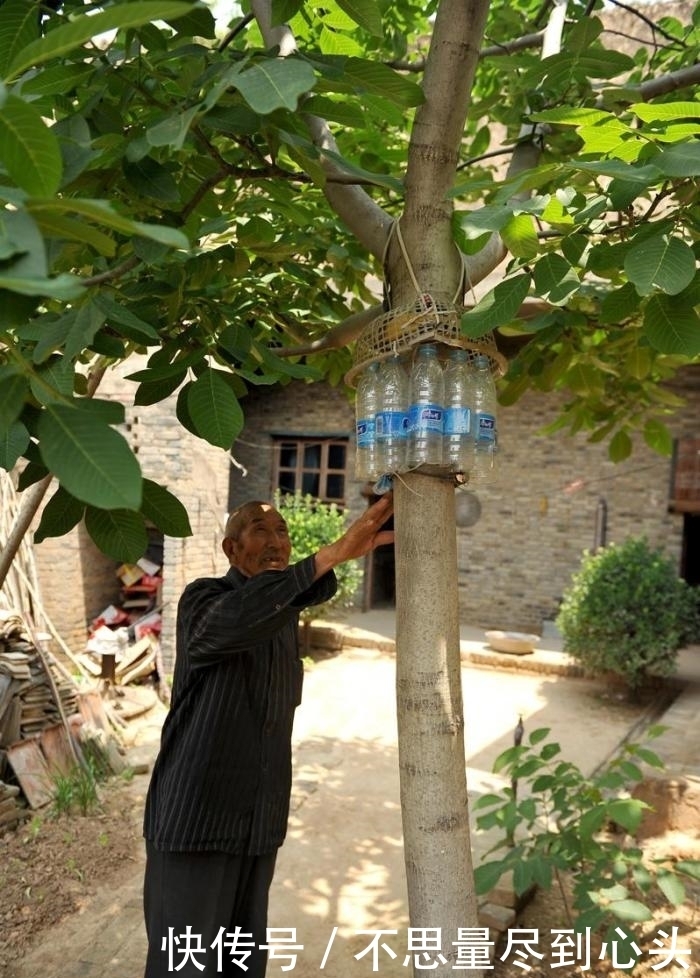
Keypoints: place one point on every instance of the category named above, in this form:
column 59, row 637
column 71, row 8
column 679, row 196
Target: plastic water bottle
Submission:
column 426, row 409
column 458, row 439
column 366, row 405
column 485, row 409
column 392, row 418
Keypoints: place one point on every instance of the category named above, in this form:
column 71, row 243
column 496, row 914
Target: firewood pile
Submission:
column 27, row 704
column 35, row 699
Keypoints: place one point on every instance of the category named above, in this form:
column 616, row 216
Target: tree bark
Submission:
column 432, row 770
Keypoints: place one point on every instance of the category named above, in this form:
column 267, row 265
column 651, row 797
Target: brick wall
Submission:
column 77, row 581
column 296, row 409
column 514, row 563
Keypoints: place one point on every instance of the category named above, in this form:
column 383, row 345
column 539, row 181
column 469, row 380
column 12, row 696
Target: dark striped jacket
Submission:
column 222, row 778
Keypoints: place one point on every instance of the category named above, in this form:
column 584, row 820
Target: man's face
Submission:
column 263, row 543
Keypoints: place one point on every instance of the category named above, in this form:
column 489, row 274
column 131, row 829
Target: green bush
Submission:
column 313, row 524
column 559, row 826
column 628, row 612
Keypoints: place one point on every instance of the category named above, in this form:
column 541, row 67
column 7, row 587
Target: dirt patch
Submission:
column 546, row 913
column 52, row 865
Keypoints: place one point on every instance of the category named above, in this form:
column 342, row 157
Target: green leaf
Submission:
column 584, row 379
column 60, row 515
column 672, row 888
column 28, row 148
column 283, row 11
column 660, row 262
column 19, row 26
column 152, row 180
column 631, row 910
column 102, row 213
column 537, row 736
column 620, row 446
column 689, row 867
column 522, row 876
column 13, row 391
column 671, row 326
column 631, row 771
column 87, row 322
column 125, row 322
column 649, row 757
column 71, row 35
column 520, row 236
column 365, row 13
column 487, row 801
column 379, row 79
column 275, row 84
column 335, row 110
column 638, row 362
column 380, row 179
column 682, row 160
column 619, row 305
column 658, row 437
column 31, row 474
column 214, row 409
column 173, row 130
column 497, row 308
column 574, row 115
column 165, row 510
column 487, row 876
column 666, row 111
column 65, row 287
column 555, row 279
column 627, row 812
column 119, row 533
column 68, row 229
column 13, row 443
column 91, row 460
column 53, row 381
column 57, row 80
column 158, row 390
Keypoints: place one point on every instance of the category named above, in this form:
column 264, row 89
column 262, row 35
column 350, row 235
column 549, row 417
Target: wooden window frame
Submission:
column 324, row 471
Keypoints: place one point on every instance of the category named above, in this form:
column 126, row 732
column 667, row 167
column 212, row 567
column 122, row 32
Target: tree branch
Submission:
column 364, row 218
column 433, row 152
column 672, row 82
column 343, row 334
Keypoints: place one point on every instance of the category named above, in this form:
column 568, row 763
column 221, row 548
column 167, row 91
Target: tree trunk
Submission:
column 430, row 714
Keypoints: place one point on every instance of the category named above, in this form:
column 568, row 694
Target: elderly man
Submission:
column 218, row 802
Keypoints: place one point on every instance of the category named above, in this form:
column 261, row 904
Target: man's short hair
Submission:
column 240, row 517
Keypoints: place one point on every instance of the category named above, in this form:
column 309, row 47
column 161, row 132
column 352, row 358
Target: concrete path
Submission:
column 341, row 869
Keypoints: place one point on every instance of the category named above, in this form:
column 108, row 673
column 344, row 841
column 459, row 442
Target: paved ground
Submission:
column 342, row 864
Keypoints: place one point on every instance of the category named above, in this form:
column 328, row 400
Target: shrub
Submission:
column 313, row 524
column 569, row 827
column 628, row 612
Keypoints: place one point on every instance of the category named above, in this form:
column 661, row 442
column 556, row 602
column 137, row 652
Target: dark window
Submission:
column 312, row 465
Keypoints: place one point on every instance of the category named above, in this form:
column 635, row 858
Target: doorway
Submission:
column 690, row 557
column 379, row 586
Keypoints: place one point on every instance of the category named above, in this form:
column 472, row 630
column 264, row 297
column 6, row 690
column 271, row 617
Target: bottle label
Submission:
column 486, row 429
column 458, row 421
column 365, row 432
column 426, row 417
column 391, row 424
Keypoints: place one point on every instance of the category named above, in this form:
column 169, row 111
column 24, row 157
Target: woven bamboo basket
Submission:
column 431, row 319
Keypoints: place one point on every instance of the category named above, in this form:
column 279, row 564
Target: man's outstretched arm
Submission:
column 360, row 537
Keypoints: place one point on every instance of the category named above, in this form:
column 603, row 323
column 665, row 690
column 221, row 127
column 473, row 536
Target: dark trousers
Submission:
column 198, row 897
